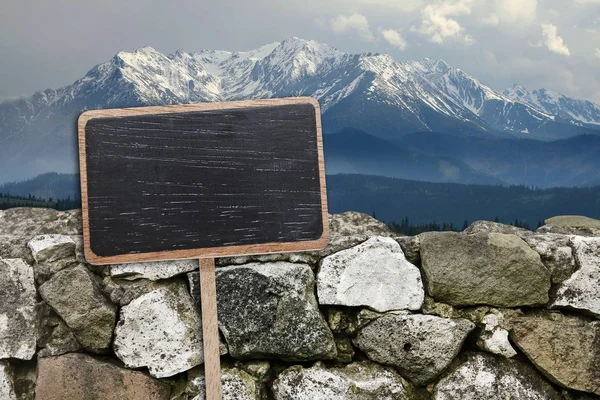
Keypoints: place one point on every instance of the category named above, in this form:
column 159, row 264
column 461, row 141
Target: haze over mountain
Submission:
column 370, row 92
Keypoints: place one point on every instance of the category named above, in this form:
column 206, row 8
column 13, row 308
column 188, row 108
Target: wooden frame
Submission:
column 236, row 250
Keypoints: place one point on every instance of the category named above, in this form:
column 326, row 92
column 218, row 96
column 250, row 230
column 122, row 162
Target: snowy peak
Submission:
column 578, row 112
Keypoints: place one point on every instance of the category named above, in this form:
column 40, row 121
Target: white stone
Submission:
column 160, row 330
column 7, row 390
column 153, row 270
column 17, row 309
column 582, row 290
column 494, row 339
column 360, row 380
column 374, row 274
column 47, row 248
column 492, row 378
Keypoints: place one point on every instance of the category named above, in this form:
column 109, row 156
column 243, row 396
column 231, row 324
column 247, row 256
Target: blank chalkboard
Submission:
column 202, row 180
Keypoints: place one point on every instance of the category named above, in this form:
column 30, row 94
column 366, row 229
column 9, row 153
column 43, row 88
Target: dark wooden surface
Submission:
column 203, row 179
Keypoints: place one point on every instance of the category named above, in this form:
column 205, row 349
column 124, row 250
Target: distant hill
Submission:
column 423, row 202
column 46, row 186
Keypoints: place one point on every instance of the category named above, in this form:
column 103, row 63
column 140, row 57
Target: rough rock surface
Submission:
column 566, row 350
column 15, row 246
column 75, row 295
column 123, row 291
column 7, row 386
column 79, row 376
column 30, row 222
column 153, row 270
column 17, row 309
column 49, row 248
column 494, row 339
column 420, row 346
column 374, row 274
column 495, row 269
column 411, row 247
column 236, row 384
column 487, row 377
column 571, row 225
column 556, row 254
column 54, row 337
column 582, row 290
column 495, row 227
column 270, row 310
column 160, row 330
column 360, row 380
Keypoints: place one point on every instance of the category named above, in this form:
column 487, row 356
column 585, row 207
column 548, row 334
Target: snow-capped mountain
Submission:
column 576, row 111
column 371, row 92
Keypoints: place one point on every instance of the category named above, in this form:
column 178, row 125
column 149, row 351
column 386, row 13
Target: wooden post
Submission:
column 210, row 329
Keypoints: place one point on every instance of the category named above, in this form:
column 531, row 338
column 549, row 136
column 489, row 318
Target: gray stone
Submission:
column 487, row 377
column 419, row 346
column 153, row 270
column 122, row 291
column 269, row 310
column 481, row 226
column 51, row 247
column 7, row 386
column 571, row 225
column 54, row 337
column 493, row 338
column 496, row 269
column 374, row 274
column 566, row 350
column 582, row 290
column 160, row 330
column 411, row 247
column 75, row 294
column 26, row 221
column 17, row 309
column 79, row 376
column 236, row 384
column 15, row 246
column 359, row 380
column 24, row 378
column 556, row 254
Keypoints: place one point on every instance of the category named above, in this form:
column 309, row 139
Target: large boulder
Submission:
column 27, row 221
column 581, row 291
column 482, row 226
column 496, row 269
column 492, row 378
column 81, row 377
column 419, row 346
column 75, row 294
column 153, row 270
column 7, row 384
column 566, row 350
column 359, row 380
column 161, row 330
column 270, row 311
column 374, row 274
column 17, row 309
column 571, row 225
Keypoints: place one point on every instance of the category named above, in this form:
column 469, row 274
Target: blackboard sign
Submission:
column 202, row 180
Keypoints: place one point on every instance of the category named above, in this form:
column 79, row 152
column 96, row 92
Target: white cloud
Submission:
column 437, row 25
column 355, row 22
column 552, row 41
column 394, row 38
column 597, row 52
column 517, row 10
column 490, row 20
column 587, row 2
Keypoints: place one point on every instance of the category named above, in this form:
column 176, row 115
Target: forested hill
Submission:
column 424, row 202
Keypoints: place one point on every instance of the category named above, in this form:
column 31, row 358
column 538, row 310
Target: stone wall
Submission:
column 494, row 312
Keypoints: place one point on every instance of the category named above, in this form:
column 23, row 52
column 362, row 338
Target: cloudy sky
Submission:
column 537, row 43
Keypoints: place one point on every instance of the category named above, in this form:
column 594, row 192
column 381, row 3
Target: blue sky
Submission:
column 537, row 43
